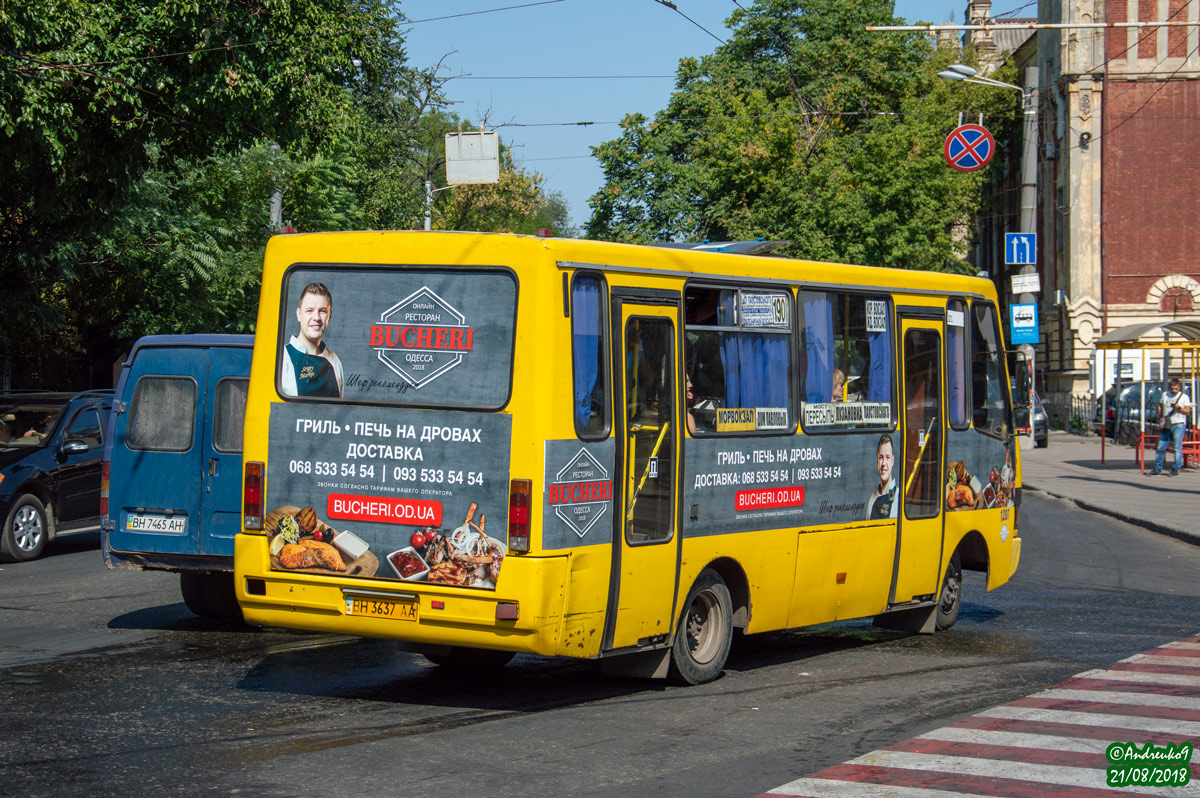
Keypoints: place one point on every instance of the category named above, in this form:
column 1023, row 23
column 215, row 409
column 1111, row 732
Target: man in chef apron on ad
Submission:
column 310, row 368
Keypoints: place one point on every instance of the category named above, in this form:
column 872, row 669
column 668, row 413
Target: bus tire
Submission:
column 26, row 530
column 467, row 659
column 950, row 598
column 705, row 631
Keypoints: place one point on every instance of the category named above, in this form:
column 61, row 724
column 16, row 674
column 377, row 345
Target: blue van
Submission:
column 172, row 478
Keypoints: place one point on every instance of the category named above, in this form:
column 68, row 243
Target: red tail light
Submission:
column 252, row 496
column 104, row 471
column 519, row 500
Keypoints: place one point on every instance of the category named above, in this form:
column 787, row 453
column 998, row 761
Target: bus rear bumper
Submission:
column 531, row 588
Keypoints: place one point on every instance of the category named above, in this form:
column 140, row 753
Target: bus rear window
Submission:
column 407, row 335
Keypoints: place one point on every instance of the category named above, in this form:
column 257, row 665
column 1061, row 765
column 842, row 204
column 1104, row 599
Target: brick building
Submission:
column 1118, row 220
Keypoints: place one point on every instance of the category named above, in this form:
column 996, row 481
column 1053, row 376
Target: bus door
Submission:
column 919, row 549
column 646, row 544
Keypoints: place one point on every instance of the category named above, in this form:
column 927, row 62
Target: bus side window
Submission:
column 847, row 354
column 989, row 400
column 739, row 350
column 589, row 356
column 956, row 364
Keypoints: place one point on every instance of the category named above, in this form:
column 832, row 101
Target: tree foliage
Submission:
column 804, row 127
column 140, row 146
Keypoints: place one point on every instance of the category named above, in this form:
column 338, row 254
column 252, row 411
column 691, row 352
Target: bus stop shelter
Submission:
column 1181, row 335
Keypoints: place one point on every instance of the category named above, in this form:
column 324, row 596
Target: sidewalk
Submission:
column 1069, row 468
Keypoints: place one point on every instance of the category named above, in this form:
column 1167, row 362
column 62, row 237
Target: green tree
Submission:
column 804, row 127
column 97, row 97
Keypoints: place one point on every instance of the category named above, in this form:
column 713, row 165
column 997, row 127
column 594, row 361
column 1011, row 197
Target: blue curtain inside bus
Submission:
column 756, row 365
column 879, row 387
column 818, row 343
column 585, row 342
column 957, row 376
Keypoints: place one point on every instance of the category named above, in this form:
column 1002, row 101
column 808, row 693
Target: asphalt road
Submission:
column 108, row 686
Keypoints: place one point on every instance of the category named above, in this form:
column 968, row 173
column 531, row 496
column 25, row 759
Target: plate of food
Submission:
column 300, row 541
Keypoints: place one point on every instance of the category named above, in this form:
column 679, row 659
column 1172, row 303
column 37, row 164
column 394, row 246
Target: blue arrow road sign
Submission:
column 1020, row 248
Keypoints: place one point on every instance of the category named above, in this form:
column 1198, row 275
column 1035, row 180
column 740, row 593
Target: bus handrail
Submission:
column 633, row 494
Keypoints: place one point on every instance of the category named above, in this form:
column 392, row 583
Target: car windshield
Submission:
column 29, row 424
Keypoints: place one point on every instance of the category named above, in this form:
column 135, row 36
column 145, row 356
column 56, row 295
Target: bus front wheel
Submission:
column 951, row 596
column 705, row 631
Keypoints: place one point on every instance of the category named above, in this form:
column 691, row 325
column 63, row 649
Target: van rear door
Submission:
column 221, row 497
column 155, row 472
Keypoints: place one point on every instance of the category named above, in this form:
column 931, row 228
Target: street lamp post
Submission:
column 1028, row 215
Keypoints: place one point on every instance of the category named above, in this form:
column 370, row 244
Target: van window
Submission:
column 847, row 369
column 989, row 400
column 162, row 414
column 397, row 335
column 229, row 412
column 85, row 427
column 589, row 356
column 739, row 357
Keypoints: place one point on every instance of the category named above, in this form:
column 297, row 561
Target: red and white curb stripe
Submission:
column 1051, row 743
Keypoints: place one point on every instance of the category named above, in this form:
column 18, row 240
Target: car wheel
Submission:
column 950, row 599
column 1041, row 443
column 705, row 631
column 25, row 531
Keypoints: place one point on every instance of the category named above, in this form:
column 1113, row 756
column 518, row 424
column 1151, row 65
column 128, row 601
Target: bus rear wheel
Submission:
column 705, row 631
column 950, row 598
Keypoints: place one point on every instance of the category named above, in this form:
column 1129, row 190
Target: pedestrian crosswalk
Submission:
column 1052, row 743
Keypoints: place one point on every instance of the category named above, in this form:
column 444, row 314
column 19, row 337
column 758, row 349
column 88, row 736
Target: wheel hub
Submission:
column 27, row 529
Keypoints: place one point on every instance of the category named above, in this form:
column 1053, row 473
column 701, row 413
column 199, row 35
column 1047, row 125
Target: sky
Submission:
column 538, row 68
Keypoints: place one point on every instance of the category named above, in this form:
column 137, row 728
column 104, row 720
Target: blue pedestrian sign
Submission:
column 1020, row 249
column 969, row 147
column 1024, row 323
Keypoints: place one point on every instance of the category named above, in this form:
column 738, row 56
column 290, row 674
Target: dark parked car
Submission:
column 51, row 447
column 1041, row 424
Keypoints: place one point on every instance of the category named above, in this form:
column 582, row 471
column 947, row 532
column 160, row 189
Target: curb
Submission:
column 1178, row 534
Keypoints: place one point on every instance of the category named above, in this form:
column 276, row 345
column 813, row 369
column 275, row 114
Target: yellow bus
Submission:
column 483, row 444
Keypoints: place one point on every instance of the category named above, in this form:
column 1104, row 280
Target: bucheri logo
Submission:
column 581, row 492
column 421, row 337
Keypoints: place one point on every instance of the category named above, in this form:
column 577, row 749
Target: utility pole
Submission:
column 1028, row 216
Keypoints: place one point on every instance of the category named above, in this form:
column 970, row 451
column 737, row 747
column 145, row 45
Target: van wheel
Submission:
column 221, row 596
column 25, row 530
column 210, row 594
column 195, row 594
column 465, row 659
column 951, row 597
column 705, row 631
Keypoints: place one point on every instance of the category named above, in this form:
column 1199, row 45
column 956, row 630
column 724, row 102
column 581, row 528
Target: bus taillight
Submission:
column 252, row 496
column 104, row 471
column 519, row 491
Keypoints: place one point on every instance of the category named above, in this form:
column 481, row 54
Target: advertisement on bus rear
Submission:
column 381, row 491
column 401, row 335
column 411, row 495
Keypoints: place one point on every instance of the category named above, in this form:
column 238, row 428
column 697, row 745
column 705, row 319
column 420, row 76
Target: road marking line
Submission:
column 1118, row 723
column 1176, row 679
column 1117, row 697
